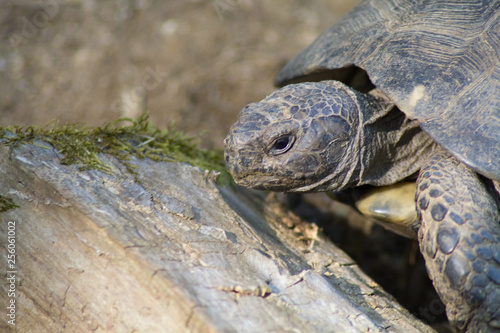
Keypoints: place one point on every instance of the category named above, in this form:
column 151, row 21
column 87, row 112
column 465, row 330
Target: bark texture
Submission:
column 167, row 250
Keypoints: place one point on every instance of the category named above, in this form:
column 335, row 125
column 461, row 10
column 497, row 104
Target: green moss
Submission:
column 124, row 138
column 6, row 204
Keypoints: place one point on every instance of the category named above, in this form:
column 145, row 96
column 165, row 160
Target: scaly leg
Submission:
column 460, row 240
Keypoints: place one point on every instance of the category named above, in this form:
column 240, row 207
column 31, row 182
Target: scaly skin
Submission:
column 460, row 241
column 342, row 138
column 325, row 136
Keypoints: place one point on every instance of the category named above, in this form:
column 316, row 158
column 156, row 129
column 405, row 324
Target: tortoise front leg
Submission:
column 460, row 240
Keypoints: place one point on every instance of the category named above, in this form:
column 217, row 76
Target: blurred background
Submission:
column 196, row 63
column 192, row 62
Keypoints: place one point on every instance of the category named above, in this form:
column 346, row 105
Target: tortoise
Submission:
column 431, row 108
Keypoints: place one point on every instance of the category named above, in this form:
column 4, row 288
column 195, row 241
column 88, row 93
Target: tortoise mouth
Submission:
column 270, row 182
column 259, row 181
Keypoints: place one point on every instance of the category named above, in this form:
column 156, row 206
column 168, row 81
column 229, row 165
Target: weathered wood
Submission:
column 167, row 250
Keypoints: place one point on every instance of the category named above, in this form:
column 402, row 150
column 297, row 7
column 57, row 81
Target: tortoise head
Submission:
column 299, row 138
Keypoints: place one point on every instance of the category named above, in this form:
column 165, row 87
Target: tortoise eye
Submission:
column 282, row 144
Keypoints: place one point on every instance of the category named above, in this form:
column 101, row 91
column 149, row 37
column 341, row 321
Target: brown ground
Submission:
column 196, row 63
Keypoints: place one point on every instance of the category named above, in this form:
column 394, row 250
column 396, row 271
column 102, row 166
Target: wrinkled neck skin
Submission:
column 388, row 148
column 394, row 148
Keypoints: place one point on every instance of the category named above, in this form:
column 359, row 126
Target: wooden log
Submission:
column 168, row 250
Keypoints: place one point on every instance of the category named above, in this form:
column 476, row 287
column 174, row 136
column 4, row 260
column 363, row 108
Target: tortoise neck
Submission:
column 393, row 147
